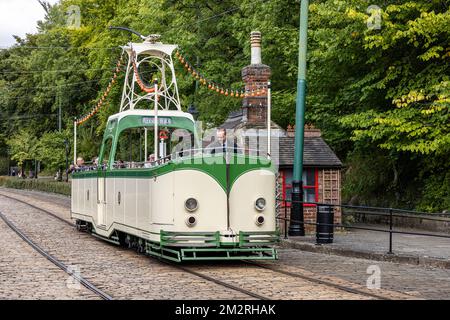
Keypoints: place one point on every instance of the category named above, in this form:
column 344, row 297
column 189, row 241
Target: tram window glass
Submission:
column 309, row 185
column 107, row 150
column 130, row 150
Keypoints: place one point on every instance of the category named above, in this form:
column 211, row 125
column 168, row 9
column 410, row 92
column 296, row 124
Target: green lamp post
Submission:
column 296, row 227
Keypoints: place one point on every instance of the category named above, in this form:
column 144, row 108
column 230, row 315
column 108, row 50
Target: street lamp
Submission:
column 297, row 227
column 193, row 110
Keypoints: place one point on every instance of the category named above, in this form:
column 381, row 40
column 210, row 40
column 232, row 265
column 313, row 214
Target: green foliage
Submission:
column 36, row 184
column 380, row 96
column 51, row 150
column 4, row 162
column 436, row 193
column 22, row 146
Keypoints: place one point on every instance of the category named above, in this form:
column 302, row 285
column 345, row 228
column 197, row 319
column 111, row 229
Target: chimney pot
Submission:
column 255, row 39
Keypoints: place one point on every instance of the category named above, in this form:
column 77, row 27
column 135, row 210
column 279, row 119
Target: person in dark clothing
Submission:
column 222, row 144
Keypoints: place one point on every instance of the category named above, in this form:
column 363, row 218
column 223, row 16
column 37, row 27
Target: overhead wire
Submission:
column 55, row 71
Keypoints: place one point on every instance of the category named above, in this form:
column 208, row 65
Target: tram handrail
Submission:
column 187, row 153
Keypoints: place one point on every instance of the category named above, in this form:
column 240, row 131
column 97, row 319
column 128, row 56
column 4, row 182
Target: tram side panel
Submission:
column 120, row 198
column 131, row 202
column 211, row 214
column 111, row 202
column 84, row 197
column 245, row 190
column 92, row 202
column 162, row 204
column 74, row 195
column 143, row 200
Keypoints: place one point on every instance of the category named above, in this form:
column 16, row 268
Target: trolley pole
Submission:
column 75, row 142
column 155, row 124
column 297, row 227
column 269, row 120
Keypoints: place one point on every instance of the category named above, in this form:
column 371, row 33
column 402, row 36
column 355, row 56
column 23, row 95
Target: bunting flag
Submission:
column 99, row 104
column 255, row 90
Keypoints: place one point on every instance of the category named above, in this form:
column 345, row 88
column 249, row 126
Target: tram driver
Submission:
column 222, row 144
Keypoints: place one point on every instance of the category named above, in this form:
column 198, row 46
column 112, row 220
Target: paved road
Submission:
column 25, row 274
column 398, row 281
column 417, row 281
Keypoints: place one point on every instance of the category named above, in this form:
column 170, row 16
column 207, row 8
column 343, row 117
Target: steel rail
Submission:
column 319, row 281
column 219, row 282
column 55, row 261
column 198, row 274
column 38, row 208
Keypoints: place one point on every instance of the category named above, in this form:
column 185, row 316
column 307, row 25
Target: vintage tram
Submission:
column 155, row 188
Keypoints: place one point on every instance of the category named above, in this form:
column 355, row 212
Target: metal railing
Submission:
column 390, row 213
column 178, row 155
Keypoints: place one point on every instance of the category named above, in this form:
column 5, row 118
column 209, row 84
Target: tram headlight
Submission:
column 260, row 204
column 259, row 220
column 191, row 204
column 191, row 221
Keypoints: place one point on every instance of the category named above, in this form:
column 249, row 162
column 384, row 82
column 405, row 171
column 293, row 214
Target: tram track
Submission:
column 86, row 283
column 222, row 283
column 227, row 284
column 89, row 285
column 319, row 281
column 39, row 208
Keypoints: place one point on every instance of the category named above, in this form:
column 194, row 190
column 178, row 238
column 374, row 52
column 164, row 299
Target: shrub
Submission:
column 36, row 184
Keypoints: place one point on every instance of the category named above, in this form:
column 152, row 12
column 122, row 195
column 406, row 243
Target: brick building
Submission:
column 322, row 168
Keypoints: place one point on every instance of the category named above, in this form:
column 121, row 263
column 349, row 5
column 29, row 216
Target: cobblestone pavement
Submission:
column 417, row 281
column 121, row 273
column 25, row 274
column 276, row 285
column 124, row 274
column 398, row 281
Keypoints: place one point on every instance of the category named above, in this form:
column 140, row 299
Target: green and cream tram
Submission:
column 155, row 188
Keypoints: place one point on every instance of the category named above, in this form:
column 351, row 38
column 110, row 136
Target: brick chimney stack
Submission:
column 255, row 76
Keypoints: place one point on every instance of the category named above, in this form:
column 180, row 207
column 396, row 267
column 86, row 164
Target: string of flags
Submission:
column 105, row 94
column 255, row 90
column 138, row 78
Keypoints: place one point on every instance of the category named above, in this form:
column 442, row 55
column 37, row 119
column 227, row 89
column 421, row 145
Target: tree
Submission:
column 372, row 89
column 408, row 94
column 51, row 150
column 22, row 147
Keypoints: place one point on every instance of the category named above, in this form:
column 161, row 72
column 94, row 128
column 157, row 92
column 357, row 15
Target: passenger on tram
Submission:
column 80, row 162
column 150, row 161
column 120, row 164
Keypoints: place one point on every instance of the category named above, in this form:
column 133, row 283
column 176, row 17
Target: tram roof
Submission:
column 147, row 47
column 145, row 118
column 151, row 113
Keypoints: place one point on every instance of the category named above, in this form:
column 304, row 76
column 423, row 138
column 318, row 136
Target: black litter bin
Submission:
column 324, row 227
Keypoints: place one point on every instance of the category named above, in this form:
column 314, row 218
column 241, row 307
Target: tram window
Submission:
column 106, row 151
column 130, row 150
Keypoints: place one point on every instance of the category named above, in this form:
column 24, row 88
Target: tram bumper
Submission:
column 185, row 246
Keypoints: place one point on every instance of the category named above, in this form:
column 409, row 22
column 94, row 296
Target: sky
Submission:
column 18, row 17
